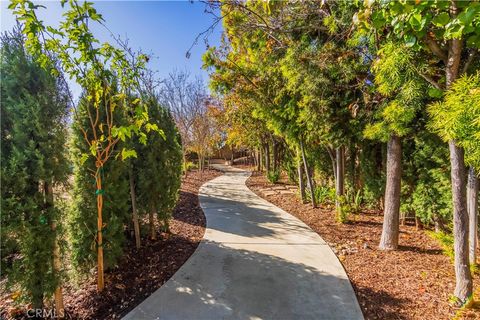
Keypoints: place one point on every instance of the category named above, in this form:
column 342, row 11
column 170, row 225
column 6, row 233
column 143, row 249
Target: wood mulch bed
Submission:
column 140, row 272
column 414, row 282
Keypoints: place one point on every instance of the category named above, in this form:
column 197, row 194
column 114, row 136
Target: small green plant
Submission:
column 273, row 176
column 446, row 241
column 344, row 210
column 357, row 202
column 190, row 166
column 324, row 194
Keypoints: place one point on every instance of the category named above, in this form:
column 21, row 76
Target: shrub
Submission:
column 325, row 195
column 189, row 166
column 446, row 241
column 273, row 176
column 33, row 157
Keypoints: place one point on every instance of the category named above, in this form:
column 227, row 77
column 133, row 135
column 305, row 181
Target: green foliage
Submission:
column 33, row 156
column 159, row 165
column 372, row 175
column 458, row 116
column 446, row 241
column 82, row 218
column 426, row 179
column 190, row 166
column 398, row 81
column 344, row 210
column 413, row 22
column 273, row 176
column 325, row 195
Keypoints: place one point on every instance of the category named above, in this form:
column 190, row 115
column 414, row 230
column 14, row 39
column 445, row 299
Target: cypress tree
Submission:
column 159, row 167
column 83, row 213
column 34, row 164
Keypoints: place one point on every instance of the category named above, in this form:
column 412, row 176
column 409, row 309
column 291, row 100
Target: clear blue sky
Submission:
column 165, row 28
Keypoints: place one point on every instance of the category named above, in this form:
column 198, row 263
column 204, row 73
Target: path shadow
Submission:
column 420, row 250
column 386, row 307
column 223, row 282
column 243, row 213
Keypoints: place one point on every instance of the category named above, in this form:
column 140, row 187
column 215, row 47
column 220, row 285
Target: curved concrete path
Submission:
column 255, row 262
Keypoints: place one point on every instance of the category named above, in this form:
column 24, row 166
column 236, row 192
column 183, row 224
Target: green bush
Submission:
column 34, row 160
column 273, row 176
column 325, row 195
column 446, row 242
column 159, row 165
column 189, row 166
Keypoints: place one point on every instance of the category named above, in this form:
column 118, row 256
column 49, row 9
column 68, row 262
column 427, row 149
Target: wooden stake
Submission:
column 100, row 279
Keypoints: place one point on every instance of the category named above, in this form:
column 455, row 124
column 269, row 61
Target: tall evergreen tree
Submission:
column 115, row 190
column 159, row 167
column 34, row 164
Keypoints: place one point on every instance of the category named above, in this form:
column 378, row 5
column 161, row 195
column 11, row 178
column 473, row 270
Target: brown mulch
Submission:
column 141, row 272
column 414, row 282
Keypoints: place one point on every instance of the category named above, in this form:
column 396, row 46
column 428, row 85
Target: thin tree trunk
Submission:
column 58, row 294
column 184, row 162
column 301, row 182
column 340, row 181
column 464, row 285
column 57, row 265
column 472, row 206
column 463, row 288
column 390, row 232
column 100, row 278
column 267, row 157
column 136, row 226
column 274, row 155
column 151, row 220
column 334, row 163
column 309, row 176
column 259, row 160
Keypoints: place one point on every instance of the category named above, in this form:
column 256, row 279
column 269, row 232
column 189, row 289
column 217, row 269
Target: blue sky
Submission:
column 166, row 29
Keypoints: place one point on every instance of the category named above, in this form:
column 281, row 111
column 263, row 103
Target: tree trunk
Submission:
column 340, row 181
column 464, row 285
column 267, row 157
column 472, row 207
column 259, row 160
column 151, row 220
column 438, row 224
column 100, row 278
column 309, row 176
column 274, row 155
column 57, row 265
column 184, row 162
column 136, row 226
column 334, row 163
column 390, row 232
column 301, row 183
column 58, row 295
column 463, row 288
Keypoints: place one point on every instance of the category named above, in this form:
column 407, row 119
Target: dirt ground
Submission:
column 140, row 272
column 414, row 282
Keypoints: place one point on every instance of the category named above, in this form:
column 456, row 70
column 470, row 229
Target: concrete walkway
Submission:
column 255, row 262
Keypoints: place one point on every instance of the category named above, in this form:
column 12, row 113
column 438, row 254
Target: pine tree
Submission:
column 34, row 164
column 402, row 91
